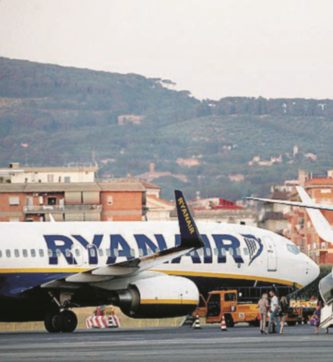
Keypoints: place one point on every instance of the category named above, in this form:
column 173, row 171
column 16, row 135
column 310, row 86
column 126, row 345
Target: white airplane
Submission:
column 148, row 269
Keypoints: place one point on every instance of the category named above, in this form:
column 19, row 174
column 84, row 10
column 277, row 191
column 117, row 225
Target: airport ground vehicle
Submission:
column 226, row 302
column 237, row 309
column 300, row 311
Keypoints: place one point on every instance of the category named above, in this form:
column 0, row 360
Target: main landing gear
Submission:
column 60, row 318
column 64, row 321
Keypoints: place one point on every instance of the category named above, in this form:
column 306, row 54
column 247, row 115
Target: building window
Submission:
column 51, row 200
column 14, row 200
column 50, row 178
column 67, row 179
column 110, row 200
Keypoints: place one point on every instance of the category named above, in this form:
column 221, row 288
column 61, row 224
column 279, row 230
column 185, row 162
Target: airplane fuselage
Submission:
column 34, row 254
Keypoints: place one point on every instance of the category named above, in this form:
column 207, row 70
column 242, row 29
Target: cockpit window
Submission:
column 293, row 249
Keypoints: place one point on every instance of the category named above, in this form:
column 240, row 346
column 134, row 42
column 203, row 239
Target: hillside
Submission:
column 52, row 115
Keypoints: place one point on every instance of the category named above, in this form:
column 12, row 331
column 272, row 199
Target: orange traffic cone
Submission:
column 223, row 324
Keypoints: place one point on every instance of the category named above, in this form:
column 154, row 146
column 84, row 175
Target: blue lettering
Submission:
column 59, row 244
column 208, row 255
column 90, row 247
column 117, row 242
column 232, row 247
column 193, row 254
column 145, row 244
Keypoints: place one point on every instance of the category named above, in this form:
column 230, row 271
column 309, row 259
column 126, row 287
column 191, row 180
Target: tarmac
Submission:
column 244, row 343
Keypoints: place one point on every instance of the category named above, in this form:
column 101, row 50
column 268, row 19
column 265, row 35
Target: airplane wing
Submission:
column 190, row 240
column 323, row 228
column 306, row 204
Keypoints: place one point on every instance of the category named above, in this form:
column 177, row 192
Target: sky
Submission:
column 213, row 48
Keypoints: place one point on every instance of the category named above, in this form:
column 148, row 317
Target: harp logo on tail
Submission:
column 254, row 246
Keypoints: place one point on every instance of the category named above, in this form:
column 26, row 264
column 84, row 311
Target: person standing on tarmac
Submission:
column 275, row 310
column 284, row 305
column 263, row 306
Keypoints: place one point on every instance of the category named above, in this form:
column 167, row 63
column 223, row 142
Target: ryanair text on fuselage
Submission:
column 118, row 246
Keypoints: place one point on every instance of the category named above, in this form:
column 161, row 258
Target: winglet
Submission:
column 189, row 234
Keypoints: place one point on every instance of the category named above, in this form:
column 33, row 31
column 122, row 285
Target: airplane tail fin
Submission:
column 190, row 236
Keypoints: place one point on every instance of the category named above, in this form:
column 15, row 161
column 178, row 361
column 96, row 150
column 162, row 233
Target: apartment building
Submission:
column 68, row 194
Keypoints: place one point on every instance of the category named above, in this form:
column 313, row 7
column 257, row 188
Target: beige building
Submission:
column 156, row 207
column 15, row 173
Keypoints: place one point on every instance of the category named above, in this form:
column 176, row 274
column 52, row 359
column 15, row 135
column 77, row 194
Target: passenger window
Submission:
column 77, row 252
column 0, row 254
column 25, row 253
column 33, row 253
column 100, row 252
column 49, row 252
column 132, row 252
column 16, row 253
column 8, row 253
column 246, row 251
column 68, row 253
column 107, row 252
column 58, row 252
column 92, row 252
column 208, row 252
column 41, row 253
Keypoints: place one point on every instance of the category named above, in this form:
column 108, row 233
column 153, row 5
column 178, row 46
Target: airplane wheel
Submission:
column 52, row 323
column 69, row 321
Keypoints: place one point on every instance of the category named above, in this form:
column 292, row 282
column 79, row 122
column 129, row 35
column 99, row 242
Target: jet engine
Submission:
column 159, row 297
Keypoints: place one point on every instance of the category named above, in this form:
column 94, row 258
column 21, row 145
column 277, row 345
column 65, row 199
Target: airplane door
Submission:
column 271, row 254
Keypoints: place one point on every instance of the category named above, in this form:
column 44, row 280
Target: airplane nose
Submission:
column 312, row 270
